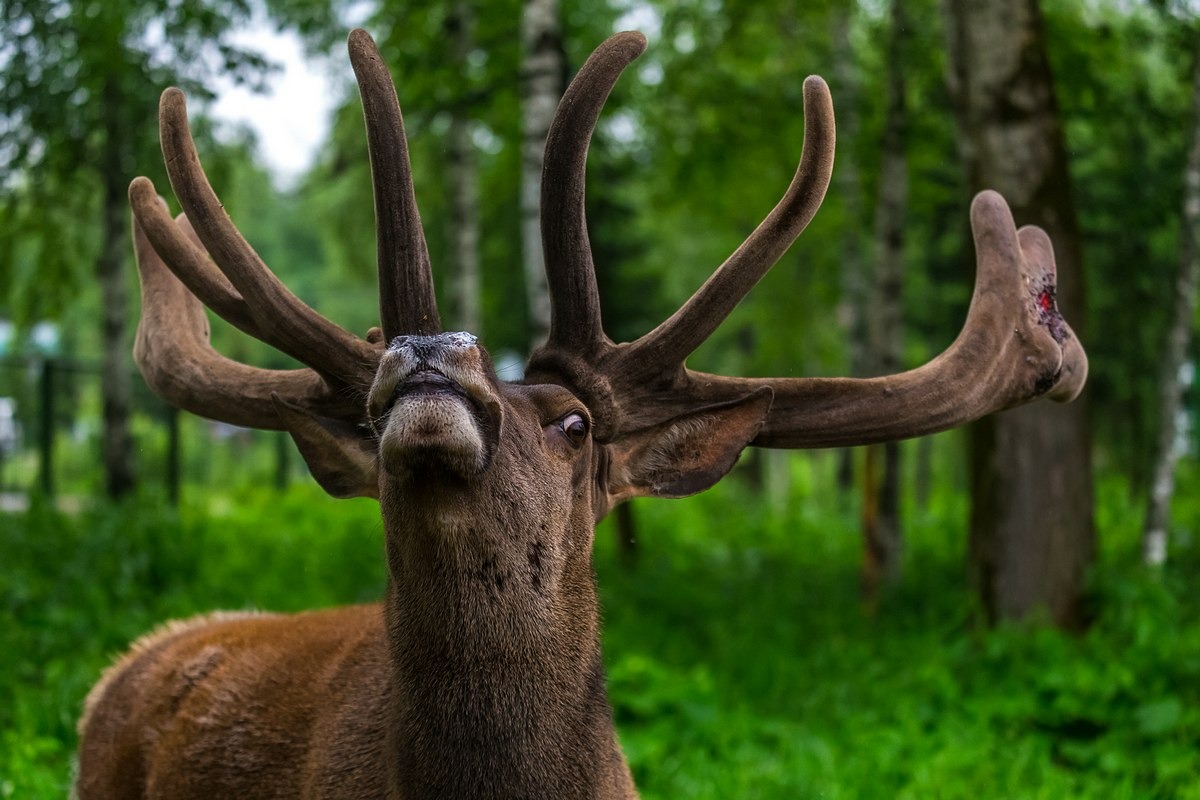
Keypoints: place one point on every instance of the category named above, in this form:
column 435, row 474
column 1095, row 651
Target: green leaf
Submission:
column 1159, row 717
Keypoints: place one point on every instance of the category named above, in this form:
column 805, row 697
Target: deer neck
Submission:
column 498, row 685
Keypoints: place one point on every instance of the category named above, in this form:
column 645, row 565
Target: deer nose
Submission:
column 426, row 347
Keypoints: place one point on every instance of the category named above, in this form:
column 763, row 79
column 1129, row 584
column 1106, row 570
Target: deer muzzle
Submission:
column 434, row 403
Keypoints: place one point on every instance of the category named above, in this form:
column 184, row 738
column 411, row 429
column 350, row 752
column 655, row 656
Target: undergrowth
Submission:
column 741, row 663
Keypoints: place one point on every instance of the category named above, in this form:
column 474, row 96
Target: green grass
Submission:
column 740, row 662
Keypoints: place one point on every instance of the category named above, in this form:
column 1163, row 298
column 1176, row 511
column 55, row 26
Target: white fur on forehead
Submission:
column 461, row 339
column 456, row 339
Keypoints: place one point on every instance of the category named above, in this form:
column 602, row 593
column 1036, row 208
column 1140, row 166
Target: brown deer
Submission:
column 480, row 674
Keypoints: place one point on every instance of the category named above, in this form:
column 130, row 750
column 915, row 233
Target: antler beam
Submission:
column 406, row 298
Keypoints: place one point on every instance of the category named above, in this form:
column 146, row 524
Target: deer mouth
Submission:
column 435, row 420
column 430, row 382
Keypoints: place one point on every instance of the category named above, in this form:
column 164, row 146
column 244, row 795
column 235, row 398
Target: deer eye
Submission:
column 575, row 427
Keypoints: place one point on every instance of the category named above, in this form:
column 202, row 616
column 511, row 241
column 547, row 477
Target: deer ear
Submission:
column 338, row 455
column 687, row 454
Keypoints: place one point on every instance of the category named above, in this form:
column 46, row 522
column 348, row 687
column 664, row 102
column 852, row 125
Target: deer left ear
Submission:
column 338, row 455
column 687, row 454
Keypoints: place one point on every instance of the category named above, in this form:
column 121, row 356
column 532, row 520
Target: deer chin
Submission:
column 436, row 423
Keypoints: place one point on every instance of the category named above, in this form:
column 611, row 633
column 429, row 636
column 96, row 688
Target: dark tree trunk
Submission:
column 543, row 74
column 116, row 379
column 882, row 544
column 923, row 472
column 1032, row 537
column 626, row 530
column 1158, row 507
column 462, row 175
column 852, row 308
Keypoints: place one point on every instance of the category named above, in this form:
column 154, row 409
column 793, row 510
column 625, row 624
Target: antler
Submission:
column 1014, row 347
column 173, row 349
column 406, row 298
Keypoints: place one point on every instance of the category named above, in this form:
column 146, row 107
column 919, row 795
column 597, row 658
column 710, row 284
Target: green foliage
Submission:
column 740, row 662
column 745, row 668
column 1126, row 136
column 77, row 111
column 75, row 590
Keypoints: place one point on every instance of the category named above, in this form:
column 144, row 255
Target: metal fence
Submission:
column 50, row 438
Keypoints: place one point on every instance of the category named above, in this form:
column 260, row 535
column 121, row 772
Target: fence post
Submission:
column 46, row 432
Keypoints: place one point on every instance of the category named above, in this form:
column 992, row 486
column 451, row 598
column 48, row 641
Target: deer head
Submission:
column 484, row 674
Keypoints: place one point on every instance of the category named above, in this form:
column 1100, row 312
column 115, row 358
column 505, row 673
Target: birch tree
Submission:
column 1155, row 529
column 852, row 310
column 462, row 176
column 543, row 72
column 78, row 106
column 881, row 483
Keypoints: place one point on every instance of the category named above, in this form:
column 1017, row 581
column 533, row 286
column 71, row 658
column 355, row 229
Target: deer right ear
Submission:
column 686, row 454
column 338, row 455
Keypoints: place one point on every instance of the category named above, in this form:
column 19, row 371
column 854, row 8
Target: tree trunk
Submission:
column 882, row 546
column 1032, row 536
column 854, row 272
column 543, row 72
column 923, row 473
column 462, row 175
column 116, row 380
column 1154, row 534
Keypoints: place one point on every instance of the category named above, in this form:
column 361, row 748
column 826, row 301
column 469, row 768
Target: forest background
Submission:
column 764, row 639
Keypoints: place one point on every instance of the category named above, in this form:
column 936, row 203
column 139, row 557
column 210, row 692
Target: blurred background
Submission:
column 1007, row 610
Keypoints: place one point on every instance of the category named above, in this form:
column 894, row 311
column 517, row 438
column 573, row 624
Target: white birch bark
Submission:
column 463, row 179
column 542, row 74
column 1155, row 532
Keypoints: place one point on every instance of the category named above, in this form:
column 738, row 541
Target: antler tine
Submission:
column 281, row 318
column 676, row 338
column 172, row 351
column 186, row 258
column 575, row 301
column 407, row 303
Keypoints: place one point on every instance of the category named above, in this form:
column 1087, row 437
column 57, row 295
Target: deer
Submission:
column 479, row 674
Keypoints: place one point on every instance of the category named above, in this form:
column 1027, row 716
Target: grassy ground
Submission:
column 740, row 662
